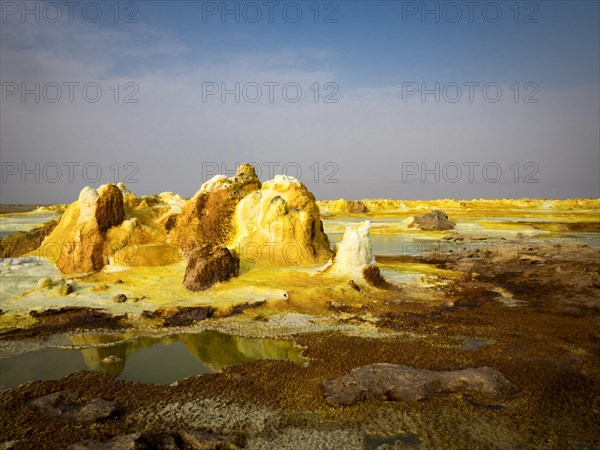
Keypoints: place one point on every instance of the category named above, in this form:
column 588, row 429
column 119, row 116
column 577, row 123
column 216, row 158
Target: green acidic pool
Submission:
column 158, row 360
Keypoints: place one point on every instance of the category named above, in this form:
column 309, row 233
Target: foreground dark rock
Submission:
column 209, row 265
column 119, row 298
column 241, row 307
column 63, row 405
column 403, row 383
column 434, row 220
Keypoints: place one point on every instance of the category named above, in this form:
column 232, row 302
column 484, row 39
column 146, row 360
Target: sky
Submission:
column 359, row 99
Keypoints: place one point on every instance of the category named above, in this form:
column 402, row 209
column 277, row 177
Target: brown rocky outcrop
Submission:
column 434, row 220
column 404, row 383
column 77, row 244
column 209, row 264
column 207, row 217
column 357, row 207
column 109, row 208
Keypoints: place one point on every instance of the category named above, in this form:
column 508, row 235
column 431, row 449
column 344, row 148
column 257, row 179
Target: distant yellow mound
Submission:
column 342, row 206
column 108, row 225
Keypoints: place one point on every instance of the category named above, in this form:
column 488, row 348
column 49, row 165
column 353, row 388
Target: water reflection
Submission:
column 158, row 360
column 213, row 349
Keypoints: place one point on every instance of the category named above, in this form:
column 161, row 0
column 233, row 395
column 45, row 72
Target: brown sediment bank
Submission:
column 61, row 320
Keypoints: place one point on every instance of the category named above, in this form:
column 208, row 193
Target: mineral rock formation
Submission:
column 434, row 220
column 134, row 243
column 344, row 206
column 357, row 207
column 94, row 232
column 135, row 255
column 45, row 283
column 78, row 242
column 22, row 242
column 276, row 223
column 280, row 225
column 209, row 264
column 354, row 252
column 129, row 198
column 109, row 210
column 403, row 383
column 207, row 217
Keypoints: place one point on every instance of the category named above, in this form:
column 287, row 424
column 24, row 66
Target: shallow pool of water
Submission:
column 11, row 224
column 158, row 360
column 418, row 243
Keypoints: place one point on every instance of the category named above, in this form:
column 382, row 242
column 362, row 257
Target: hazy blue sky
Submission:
column 511, row 108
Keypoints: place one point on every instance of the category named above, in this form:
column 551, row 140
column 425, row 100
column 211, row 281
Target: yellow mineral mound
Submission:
column 276, row 223
column 174, row 201
column 145, row 255
column 77, row 244
column 280, row 225
column 342, row 206
column 207, row 217
column 104, row 225
column 135, row 232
